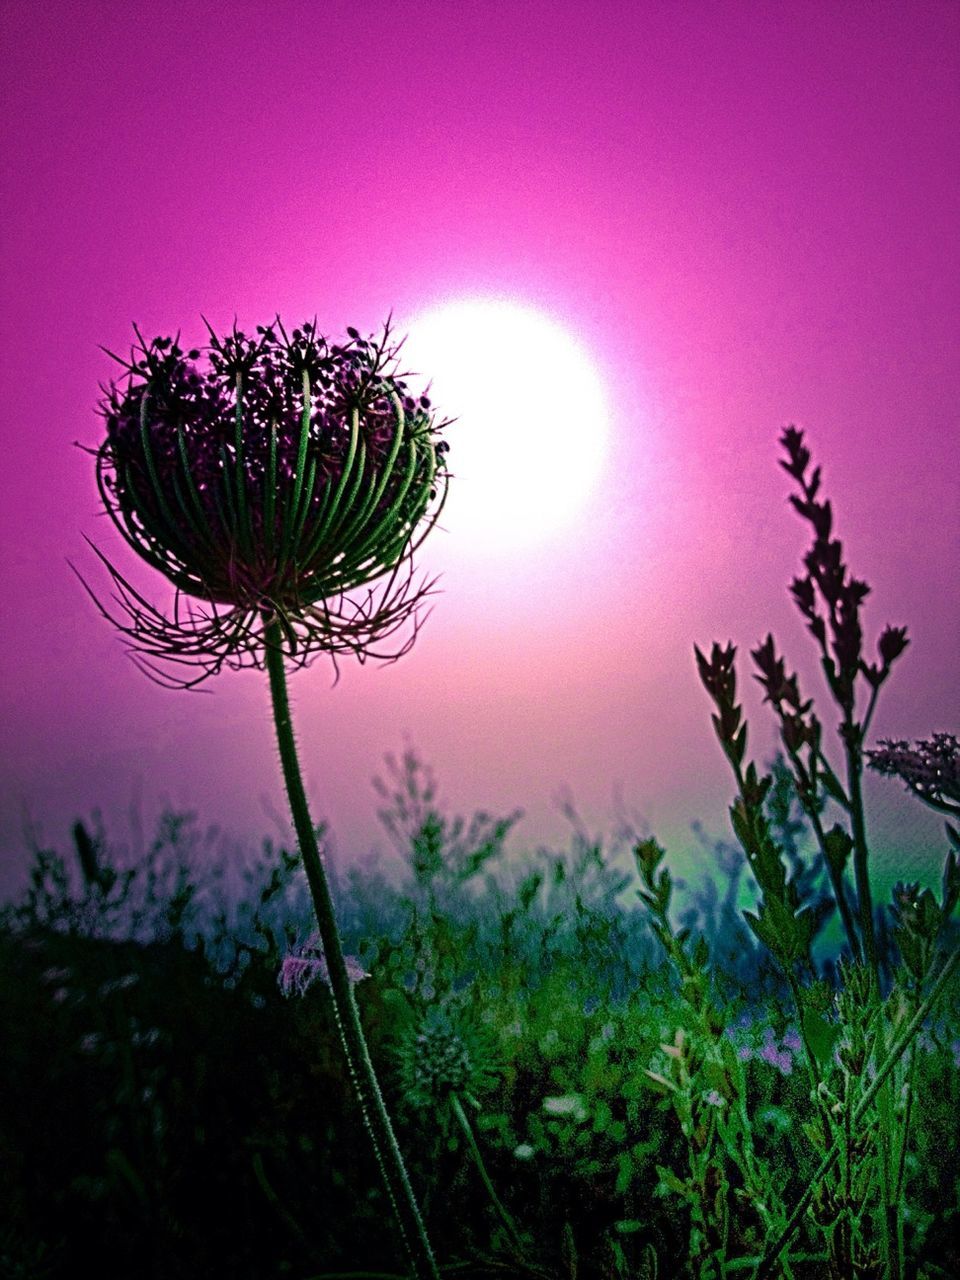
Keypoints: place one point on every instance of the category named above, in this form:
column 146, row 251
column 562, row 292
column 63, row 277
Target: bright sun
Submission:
column 529, row 439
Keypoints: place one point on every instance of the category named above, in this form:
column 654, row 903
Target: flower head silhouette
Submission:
column 269, row 487
column 271, row 483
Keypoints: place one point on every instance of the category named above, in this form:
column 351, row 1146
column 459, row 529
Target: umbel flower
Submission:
column 930, row 768
column 271, row 482
column 445, row 1053
column 270, row 486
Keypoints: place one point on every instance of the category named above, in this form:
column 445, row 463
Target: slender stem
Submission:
column 861, row 855
column 348, row 1018
column 899, row 1184
column 835, row 873
column 846, row 1222
column 813, row 1067
column 897, row 1050
column 853, row 735
column 467, row 1128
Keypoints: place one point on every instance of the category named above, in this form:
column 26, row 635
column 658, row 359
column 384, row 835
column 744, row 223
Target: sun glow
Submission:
column 528, row 443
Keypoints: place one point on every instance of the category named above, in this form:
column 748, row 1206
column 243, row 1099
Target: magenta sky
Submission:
column 746, row 211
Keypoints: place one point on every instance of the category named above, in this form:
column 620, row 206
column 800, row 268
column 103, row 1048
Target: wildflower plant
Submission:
column 702, row 1076
column 446, row 1061
column 665, row 1128
column 858, row 1054
column 282, row 488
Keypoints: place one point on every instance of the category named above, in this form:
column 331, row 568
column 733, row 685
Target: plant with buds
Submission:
column 445, row 1054
column 446, row 1059
column 270, row 487
column 830, row 599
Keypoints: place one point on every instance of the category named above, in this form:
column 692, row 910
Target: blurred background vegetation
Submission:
column 165, row 1111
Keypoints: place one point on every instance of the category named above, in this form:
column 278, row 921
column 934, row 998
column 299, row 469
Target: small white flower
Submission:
column 570, row 1104
column 523, row 1151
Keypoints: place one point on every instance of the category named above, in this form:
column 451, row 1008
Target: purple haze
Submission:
column 746, row 211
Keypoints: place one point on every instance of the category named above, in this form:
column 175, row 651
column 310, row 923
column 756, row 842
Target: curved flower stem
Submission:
column 360, row 1066
column 504, row 1216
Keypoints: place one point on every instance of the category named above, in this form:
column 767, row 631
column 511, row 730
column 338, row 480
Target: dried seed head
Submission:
column 930, row 768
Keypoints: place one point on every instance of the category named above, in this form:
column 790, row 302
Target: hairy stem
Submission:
column 348, row 1018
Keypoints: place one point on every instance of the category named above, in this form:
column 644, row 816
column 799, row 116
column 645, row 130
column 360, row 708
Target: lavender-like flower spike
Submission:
column 274, row 482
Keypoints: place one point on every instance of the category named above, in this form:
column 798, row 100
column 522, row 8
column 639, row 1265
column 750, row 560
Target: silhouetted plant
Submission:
column 268, row 489
column 867, row 1195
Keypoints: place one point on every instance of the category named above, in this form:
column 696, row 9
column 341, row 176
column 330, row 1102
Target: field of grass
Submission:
column 584, row 1082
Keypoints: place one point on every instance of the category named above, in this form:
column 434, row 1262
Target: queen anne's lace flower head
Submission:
column 273, row 481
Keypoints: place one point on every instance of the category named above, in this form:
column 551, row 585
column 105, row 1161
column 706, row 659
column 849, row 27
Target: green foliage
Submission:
column 645, row 1113
column 594, row 1081
column 857, row 1194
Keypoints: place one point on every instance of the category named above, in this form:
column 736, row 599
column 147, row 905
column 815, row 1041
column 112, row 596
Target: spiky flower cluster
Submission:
column 930, row 768
column 445, row 1053
column 271, row 481
column 839, row 634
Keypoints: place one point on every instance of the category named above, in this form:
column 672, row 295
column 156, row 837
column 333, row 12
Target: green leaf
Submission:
column 648, row 1264
column 741, row 826
column 814, row 1135
column 670, row 1182
column 831, row 784
column 569, row 1249
column 529, row 889
column 951, row 878
column 837, row 847
column 820, row 1035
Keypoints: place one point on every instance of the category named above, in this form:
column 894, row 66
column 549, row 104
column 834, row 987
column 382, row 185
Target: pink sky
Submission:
column 746, row 212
